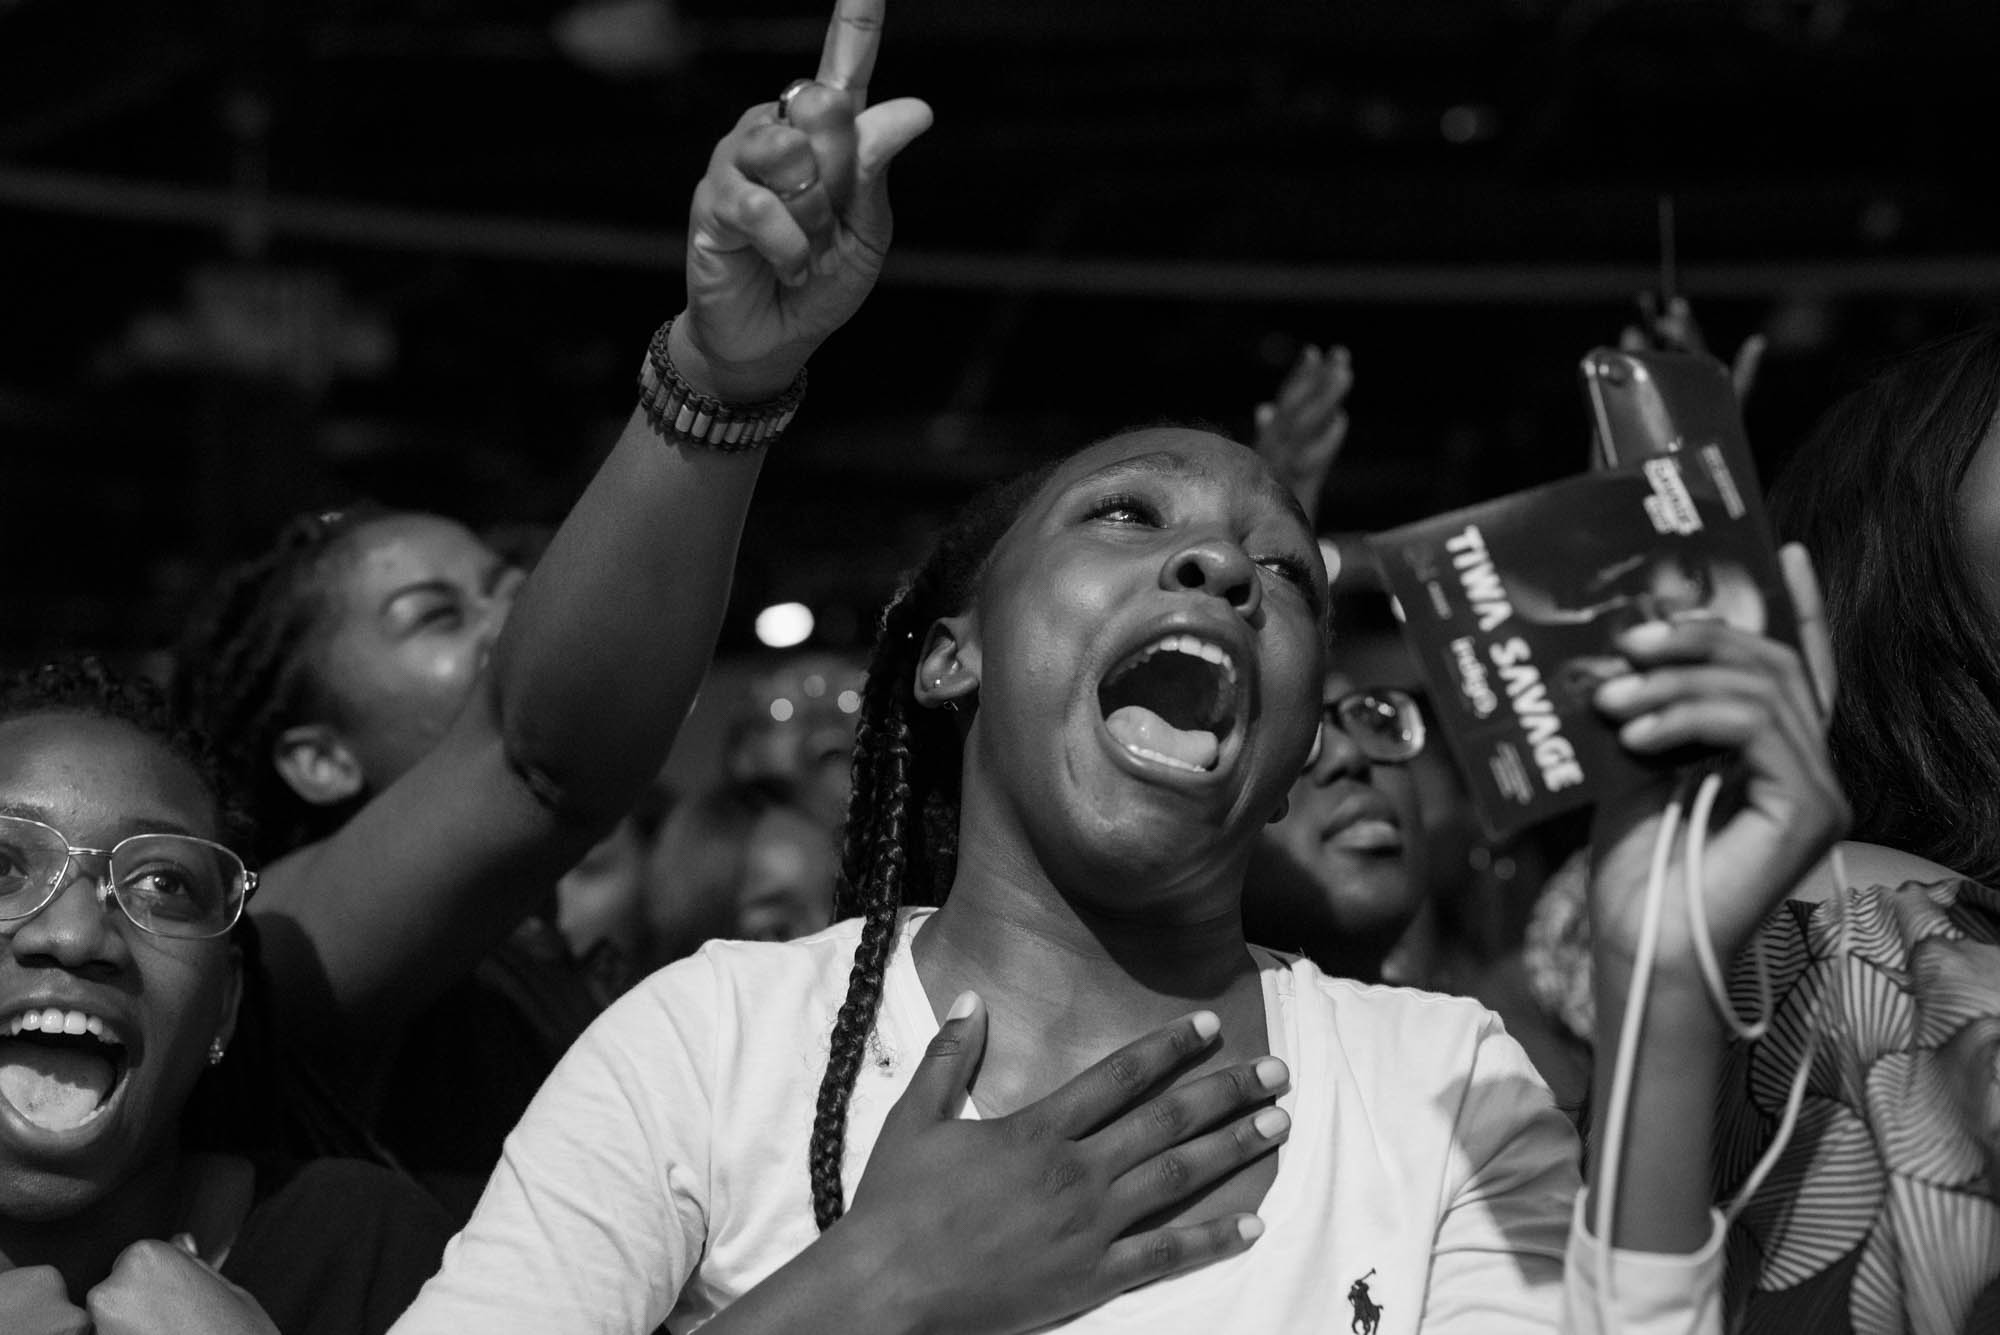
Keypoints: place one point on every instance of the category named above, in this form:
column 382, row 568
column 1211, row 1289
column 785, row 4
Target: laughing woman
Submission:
column 123, row 981
column 1082, row 710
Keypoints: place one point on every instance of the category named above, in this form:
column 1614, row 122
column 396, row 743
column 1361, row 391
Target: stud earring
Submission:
column 215, row 1051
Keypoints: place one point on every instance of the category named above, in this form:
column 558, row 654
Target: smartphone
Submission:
column 1644, row 404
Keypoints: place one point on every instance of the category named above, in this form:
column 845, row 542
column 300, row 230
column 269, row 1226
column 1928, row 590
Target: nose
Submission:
column 74, row 929
column 1218, row 567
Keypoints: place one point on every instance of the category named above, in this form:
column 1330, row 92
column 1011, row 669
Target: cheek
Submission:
column 186, row 984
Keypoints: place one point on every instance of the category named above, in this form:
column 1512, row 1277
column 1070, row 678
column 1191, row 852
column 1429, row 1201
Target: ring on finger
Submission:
column 792, row 90
column 788, row 193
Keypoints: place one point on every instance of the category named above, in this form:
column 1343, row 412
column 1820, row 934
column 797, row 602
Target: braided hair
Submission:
column 901, row 842
column 243, row 667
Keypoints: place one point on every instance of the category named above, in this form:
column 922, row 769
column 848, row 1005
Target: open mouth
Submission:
column 1172, row 703
column 59, row 1069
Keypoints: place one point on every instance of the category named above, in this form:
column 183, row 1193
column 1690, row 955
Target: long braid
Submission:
column 901, row 841
column 243, row 667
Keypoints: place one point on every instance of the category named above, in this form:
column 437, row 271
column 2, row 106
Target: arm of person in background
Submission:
column 1300, row 432
column 1706, row 685
column 606, row 645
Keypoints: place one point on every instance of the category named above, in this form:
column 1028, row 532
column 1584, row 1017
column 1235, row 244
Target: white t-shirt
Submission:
column 661, row 1171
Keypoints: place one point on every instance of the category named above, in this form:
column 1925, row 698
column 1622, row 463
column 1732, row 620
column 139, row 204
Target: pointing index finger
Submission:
column 847, row 61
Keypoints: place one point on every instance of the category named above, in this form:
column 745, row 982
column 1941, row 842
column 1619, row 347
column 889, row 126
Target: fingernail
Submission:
column 1647, row 635
column 1250, row 1228
column 1639, row 729
column 963, row 1006
column 1271, row 1123
column 1206, row 1024
column 1271, row 1073
column 1618, row 692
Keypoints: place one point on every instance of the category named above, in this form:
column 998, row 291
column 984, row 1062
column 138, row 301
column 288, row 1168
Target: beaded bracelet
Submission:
column 678, row 412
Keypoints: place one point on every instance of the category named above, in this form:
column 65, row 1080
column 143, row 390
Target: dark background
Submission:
column 257, row 258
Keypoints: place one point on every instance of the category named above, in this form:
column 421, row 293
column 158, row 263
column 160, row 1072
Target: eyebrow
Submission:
column 139, row 825
column 1182, row 465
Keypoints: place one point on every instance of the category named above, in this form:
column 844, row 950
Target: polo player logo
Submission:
column 1367, row 1312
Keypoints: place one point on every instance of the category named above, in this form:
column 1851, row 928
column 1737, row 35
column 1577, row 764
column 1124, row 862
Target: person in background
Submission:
column 747, row 861
column 1369, row 870
column 601, row 901
column 432, row 741
column 795, row 725
column 140, row 1193
column 1884, row 1213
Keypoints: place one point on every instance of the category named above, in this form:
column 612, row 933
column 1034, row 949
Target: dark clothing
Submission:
column 470, row 1063
column 339, row 1247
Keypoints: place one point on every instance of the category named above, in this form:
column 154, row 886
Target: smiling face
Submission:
column 1147, row 646
column 1345, row 866
column 414, row 607
column 89, row 1100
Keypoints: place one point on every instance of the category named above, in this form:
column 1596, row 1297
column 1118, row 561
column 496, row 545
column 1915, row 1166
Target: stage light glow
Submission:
column 782, row 625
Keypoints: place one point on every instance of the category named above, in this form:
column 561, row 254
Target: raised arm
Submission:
column 1704, row 685
column 606, row 645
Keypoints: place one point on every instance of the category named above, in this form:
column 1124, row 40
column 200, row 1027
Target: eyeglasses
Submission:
column 172, row 885
column 1383, row 722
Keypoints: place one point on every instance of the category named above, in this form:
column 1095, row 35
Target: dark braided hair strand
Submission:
column 901, row 844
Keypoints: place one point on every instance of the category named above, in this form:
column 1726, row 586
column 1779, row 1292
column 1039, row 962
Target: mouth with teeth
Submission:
column 1172, row 703
column 59, row 1069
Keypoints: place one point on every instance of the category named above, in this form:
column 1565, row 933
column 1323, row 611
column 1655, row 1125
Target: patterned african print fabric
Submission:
column 1881, row 1216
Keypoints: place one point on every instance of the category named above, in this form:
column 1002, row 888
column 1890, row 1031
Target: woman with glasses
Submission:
column 133, row 1048
column 1343, row 874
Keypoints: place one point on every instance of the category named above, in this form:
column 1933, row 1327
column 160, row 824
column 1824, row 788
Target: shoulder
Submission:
column 340, row 1245
column 1360, row 1009
column 712, row 1001
column 339, row 1194
column 759, row 974
column 1399, row 1036
column 1866, row 866
column 1888, row 901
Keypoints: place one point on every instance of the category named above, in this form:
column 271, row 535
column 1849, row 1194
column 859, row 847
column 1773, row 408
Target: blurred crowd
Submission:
column 1118, row 943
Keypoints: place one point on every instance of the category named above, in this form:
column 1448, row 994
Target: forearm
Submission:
column 610, row 639
column 1664, row 1182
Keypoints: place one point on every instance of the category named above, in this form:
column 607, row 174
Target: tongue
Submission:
column 55, row 1088
column 1140, row 729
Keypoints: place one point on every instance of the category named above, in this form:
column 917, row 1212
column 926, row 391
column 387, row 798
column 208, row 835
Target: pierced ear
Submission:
column 948, row 667
column 316, row 764
column 232, row 999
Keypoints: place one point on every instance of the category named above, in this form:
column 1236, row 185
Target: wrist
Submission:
column 862, row 1283
column 732, row 382
column 1679, row 1010
column 683, row 413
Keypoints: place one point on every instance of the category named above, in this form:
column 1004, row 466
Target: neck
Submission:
column 82, row 1247
column 1066, row 981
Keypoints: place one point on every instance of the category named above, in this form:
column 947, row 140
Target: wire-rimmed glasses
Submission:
column 1385, row 723
column 171, row 885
